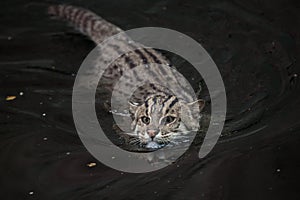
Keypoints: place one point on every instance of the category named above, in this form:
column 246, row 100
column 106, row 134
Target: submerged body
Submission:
column 158, row 115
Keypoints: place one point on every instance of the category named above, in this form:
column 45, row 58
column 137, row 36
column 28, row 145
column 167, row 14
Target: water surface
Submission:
column 255, row 46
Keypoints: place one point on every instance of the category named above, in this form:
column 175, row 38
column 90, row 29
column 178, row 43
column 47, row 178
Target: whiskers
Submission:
column 170, row 138
column 135, row 141
column 165, row 139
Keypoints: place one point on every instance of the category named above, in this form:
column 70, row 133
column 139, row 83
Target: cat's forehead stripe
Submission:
column 165, row 102
column 149, row 106
column 167, row 99
column 173, row 102
column 152, row 105
column 169, row 103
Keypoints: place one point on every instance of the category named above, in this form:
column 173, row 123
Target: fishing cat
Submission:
column 158, row 115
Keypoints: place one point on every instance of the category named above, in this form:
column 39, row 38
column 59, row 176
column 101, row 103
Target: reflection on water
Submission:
column 254, row 46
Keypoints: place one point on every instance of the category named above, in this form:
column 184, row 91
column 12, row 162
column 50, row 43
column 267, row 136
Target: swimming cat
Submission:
column 158, row 115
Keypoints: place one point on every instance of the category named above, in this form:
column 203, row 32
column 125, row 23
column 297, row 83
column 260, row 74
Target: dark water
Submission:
column 256, row 47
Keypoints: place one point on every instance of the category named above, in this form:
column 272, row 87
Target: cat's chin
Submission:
column 154, row 145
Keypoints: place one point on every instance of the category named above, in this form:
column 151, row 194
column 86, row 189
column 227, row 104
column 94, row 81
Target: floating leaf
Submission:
column 10, row 98
column 92, row 164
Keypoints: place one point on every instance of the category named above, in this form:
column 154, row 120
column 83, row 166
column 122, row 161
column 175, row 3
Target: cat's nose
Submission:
column 152, row 133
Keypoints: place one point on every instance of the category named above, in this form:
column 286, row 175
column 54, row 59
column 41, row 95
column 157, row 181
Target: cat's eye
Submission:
column 169, row 119
column 145, row 120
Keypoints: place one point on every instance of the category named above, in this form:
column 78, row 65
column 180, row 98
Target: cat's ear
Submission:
column 200, row 103
column 133, row 107
column 190, row 113
column 132, row 110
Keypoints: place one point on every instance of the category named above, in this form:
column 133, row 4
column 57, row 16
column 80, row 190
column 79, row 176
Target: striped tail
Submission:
column 85, row 21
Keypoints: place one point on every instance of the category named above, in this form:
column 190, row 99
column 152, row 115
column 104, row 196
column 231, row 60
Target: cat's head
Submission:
column 160, row 118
